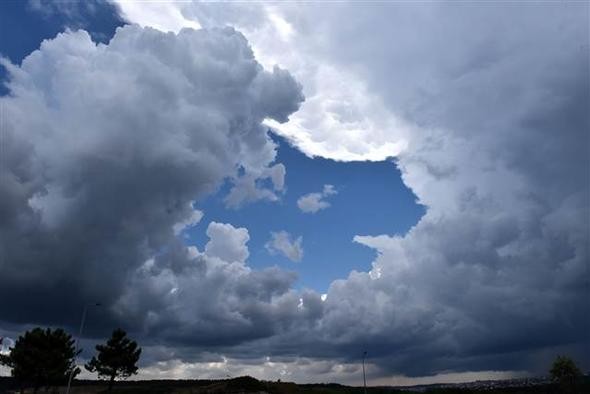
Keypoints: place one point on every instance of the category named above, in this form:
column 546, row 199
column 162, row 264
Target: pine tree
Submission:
column 42, row 357
column 565, row 372
column 116, row 359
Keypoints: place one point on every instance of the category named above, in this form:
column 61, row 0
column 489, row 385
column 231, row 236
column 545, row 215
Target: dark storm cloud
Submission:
column 496, row 273
column 104, row 150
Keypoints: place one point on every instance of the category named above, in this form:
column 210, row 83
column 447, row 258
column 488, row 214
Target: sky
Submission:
column 273, row 189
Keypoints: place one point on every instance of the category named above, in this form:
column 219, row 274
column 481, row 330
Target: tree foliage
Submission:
column 42, row 357
column 564, row 369
column 565, row 372
column 116, row 359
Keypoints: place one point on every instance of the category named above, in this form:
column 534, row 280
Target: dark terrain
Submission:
column 247, row 384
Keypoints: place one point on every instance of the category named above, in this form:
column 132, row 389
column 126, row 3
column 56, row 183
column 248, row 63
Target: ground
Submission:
column 250, row 385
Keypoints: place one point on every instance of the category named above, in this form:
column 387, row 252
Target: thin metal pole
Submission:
column 82, row 320
column 364, row 376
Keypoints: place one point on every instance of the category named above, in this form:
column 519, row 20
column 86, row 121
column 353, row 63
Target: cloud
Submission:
column 106, row 149
column 299, row 369
column 489, row 111
column 209, row 299
column 339, row 121
column 227, row 242
column 247, row 187
column 190, row 221
column 313, row 202
column 159, row 16
column 493, row 271
column 282, row 242
column 485, row 118
column 343, row 122
column 6, row 344
column 266, row 368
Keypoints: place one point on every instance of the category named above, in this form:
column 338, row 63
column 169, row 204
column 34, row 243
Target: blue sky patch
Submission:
column 371, row 199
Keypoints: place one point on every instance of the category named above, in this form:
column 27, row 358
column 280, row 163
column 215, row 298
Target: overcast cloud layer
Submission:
column 486, row 108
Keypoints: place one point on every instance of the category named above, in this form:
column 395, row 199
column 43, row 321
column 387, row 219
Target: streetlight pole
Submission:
column 364, row 376
column 82, row 321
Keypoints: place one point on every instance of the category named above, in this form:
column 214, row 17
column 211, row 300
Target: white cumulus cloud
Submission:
column 227, row 242
column 314, row 202
column 284, row 243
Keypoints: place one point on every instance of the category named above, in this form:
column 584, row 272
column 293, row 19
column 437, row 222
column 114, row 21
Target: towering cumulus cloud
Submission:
column 493, row 108
column 495, row 275
column 105, row 148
